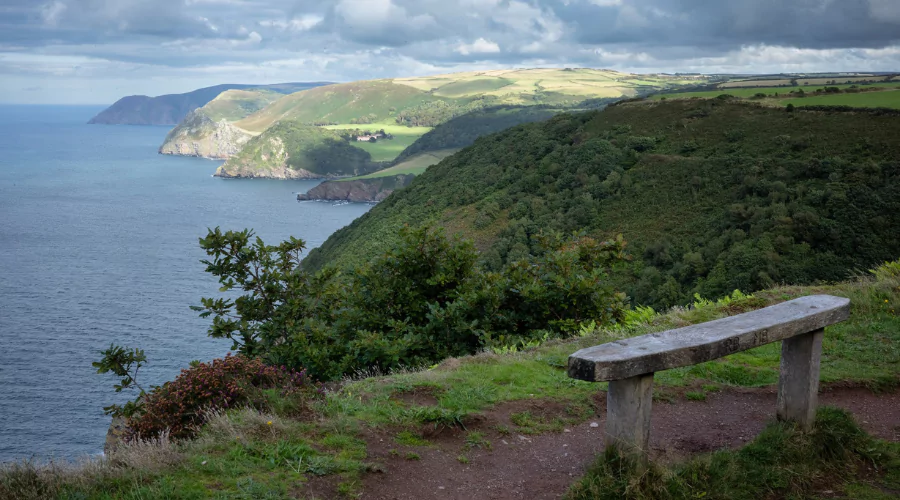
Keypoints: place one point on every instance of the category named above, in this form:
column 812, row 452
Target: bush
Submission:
column 179, row 406
column 425, row 300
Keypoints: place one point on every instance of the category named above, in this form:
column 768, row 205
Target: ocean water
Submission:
column 98, row 244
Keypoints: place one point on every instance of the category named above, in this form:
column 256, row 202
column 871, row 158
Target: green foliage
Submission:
column 423, row 301
column 181, row 406
column 123, row 362
column 782, row 462
column 712, row 195
column 433, row 113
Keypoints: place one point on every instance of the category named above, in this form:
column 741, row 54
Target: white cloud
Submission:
column 480, row 46
column 302, row 23
column 378, row 13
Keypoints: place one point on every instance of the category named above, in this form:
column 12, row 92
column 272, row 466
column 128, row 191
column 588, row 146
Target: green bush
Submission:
column 425, row 300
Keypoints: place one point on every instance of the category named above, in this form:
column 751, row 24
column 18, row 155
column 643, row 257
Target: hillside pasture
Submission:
column 885, row 99
column 342, row 103
column 415, row 165
column 770, row 91
column 233, row 105
column 800, row 80
column 477, row 85
column 385, row 149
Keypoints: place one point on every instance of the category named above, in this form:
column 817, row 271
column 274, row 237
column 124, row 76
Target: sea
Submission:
column 98, row 246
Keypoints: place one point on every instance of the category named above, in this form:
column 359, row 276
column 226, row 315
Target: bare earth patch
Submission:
column 515, row 465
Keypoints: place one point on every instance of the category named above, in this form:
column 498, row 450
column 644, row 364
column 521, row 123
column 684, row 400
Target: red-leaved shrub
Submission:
column 179, row 405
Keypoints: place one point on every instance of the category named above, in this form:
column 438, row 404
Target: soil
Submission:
column 517, row 465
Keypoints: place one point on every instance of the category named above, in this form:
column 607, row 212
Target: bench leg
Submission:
column 628, row 405
column 798, row 383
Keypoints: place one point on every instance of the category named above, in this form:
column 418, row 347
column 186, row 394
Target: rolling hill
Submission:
column 171, row 109
column 419, row 103
column 208, row 132
column 292, row 150
column 712, row 195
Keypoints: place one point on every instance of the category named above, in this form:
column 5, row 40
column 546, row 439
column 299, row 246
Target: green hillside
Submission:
column 345, row 103
column 232, row 105
column 293, row 150
column 712, row 195
column 463, row 130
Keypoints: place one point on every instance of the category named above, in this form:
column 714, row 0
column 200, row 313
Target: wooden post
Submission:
column 628, row 405
column 798, row 383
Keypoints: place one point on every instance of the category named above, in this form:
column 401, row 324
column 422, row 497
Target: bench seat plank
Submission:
column 707, row 341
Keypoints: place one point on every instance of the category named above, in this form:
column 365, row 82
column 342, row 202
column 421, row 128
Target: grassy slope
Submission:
column 343, row 102
column 750, row 92
column 339, row 103
column 717, row 172
column 232, row 105
column 274, row 454
column 414, row 165
column 297, row 146
column 884, row 99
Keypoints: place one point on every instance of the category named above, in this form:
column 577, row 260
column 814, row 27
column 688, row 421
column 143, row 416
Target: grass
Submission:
column 386, row 149
column 781, row 462
column 886, row 99
column 770, row 91
column 415, row 165
column 240, row 455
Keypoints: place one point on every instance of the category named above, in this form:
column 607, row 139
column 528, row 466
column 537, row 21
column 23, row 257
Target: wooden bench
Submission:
column 629, row 364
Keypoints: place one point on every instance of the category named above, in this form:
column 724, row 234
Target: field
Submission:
column 800, row 80
column 750, row 92
column 415, row 165
column 885, row 99
column 386, row 149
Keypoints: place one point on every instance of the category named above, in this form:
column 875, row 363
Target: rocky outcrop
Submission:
column 198, row 135
column 247, row 172
column 358, row 190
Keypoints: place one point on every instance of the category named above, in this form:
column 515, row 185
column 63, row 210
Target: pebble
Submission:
column 595, row 424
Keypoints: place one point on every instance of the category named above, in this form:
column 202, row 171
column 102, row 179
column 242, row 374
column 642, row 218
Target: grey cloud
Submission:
column 713, row 26
column 349, row 39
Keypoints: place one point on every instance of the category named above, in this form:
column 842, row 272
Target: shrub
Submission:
column 423, row 301
column 179, row 406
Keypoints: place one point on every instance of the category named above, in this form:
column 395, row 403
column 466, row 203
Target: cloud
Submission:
column 303, row 23
column 192, row 43
column 480, row 46
column 382, row 22
column 51, row 12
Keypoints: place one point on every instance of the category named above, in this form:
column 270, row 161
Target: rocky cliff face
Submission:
column 359, row 190
column 198, row 135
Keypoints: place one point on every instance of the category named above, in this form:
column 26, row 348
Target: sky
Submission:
column 96, row 51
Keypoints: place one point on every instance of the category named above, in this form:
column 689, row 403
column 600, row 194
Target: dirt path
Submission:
column 544, row 466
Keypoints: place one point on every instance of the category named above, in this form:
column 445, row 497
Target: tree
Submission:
column 123, row 362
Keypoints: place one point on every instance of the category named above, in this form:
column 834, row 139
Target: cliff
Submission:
column 172, row 108
column 199, row 135
column 358, row 190
column 290, row 150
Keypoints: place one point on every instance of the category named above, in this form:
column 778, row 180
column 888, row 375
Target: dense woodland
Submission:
column 712, row 195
